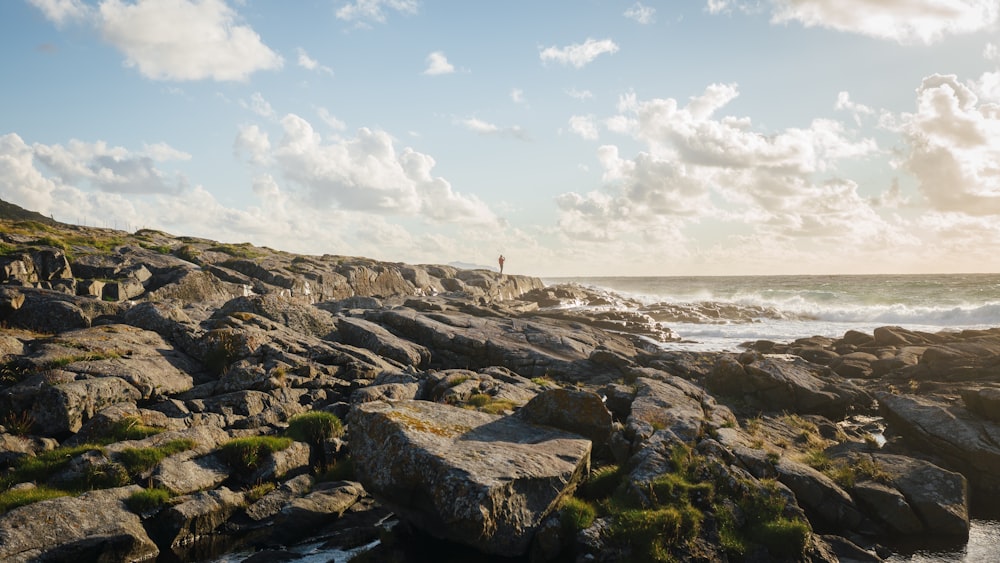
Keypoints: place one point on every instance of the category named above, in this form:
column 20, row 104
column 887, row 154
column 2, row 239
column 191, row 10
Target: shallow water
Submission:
column 983, row 547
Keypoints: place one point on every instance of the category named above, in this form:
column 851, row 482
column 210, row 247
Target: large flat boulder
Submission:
column 95, row 526
column 470, row 477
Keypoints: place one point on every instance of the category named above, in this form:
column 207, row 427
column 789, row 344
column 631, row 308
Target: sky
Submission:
column 576, row 137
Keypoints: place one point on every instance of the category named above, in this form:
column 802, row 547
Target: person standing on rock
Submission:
column 501, row 260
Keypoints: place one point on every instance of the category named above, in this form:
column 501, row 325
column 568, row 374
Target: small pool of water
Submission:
column 983, row 547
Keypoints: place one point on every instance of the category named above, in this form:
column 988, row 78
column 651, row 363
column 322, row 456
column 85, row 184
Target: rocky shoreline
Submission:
column 164, row 398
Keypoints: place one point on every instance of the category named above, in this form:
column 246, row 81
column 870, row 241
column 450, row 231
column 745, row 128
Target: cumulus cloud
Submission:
column 309, row 63
column 332, row 121
column 106, row 168
column 184, row 39
column 438, row 64
column 915, row 21
column 954, row 145
column 696, row 166
column 641, row 13
column 579, row 55
column 365, row 12
column 366, row 173
column 485, row 128
column 584, row 126
column 517, row 95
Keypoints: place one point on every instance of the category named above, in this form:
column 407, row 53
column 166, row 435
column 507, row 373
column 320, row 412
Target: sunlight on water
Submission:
column 983, row 547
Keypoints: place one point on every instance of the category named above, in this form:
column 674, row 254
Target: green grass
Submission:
column 241, row 250
column 10, row 500
column 246, row 454
column 147, row 499
column 486, row 403
column 315, row 427
column 576, row 514
column 130, row 428
column 602, row 483
column 140, row 460
column 650, row 533
column 43, row 466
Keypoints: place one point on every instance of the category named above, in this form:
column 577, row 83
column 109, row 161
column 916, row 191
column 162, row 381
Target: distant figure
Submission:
column 501, row 260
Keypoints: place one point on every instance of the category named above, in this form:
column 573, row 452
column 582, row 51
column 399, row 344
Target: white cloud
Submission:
column 579, row 55
column 517, row 95
column 364, row 11
column 954, row 145
column 438, row 64
column 258, row 105
column 991, row 52
column 779, row 188
column 584, row 126
column 254, row 142
column 61, row 12
column 579, row 94
column 109, row 169
column 910, row 21
column 185, row 39
column 365, row 173
column 641, row 13
column 845, row 103
column 309, row 63
column 485, row 128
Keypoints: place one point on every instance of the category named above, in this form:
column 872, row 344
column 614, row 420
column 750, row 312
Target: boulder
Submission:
column 963, row 441
column 59, row 404
column 579, row 412
column 466, row 476
column 195, row 516
column 983, row 402
column 188, row 472
column 795, row 385
column 95, row 526
column 366, row 334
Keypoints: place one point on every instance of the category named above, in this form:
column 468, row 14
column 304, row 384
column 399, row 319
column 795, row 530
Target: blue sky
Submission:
column 582, row 137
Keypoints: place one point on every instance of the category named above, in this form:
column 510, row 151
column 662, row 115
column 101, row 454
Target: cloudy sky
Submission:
column 577, row 137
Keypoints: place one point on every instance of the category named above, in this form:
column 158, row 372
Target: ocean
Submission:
column 722, row 312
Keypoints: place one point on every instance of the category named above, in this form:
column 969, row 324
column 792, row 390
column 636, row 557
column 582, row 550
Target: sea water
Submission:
column 801, row 306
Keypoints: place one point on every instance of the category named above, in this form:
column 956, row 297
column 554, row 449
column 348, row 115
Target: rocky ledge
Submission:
column 169, row 398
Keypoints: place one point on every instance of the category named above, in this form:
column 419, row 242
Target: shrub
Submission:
column 246, row 454
column 315, row 427
column 147, row 499
column 12, row 499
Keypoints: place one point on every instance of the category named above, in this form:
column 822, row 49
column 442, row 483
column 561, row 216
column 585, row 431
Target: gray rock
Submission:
column 462, row 475
column 188, row 472
column 195, row 516
column 95, row 526
column 578, row 412
column 366, row 334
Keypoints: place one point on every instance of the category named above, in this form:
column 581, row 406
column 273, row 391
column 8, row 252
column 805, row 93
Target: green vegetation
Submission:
column 103, row 476
column 315, row 428
column 43, row 466
column 246, row 454
column 486, row 403
column 19, row 424
column 847, row 471
column 140, row 460
column 224, row 349
column 661, row 520
column 257, row 492
column 241, row 250
column 12, row 499
column 147, row 499
column 129, row 428
column 189, row 253
column 576, row 514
